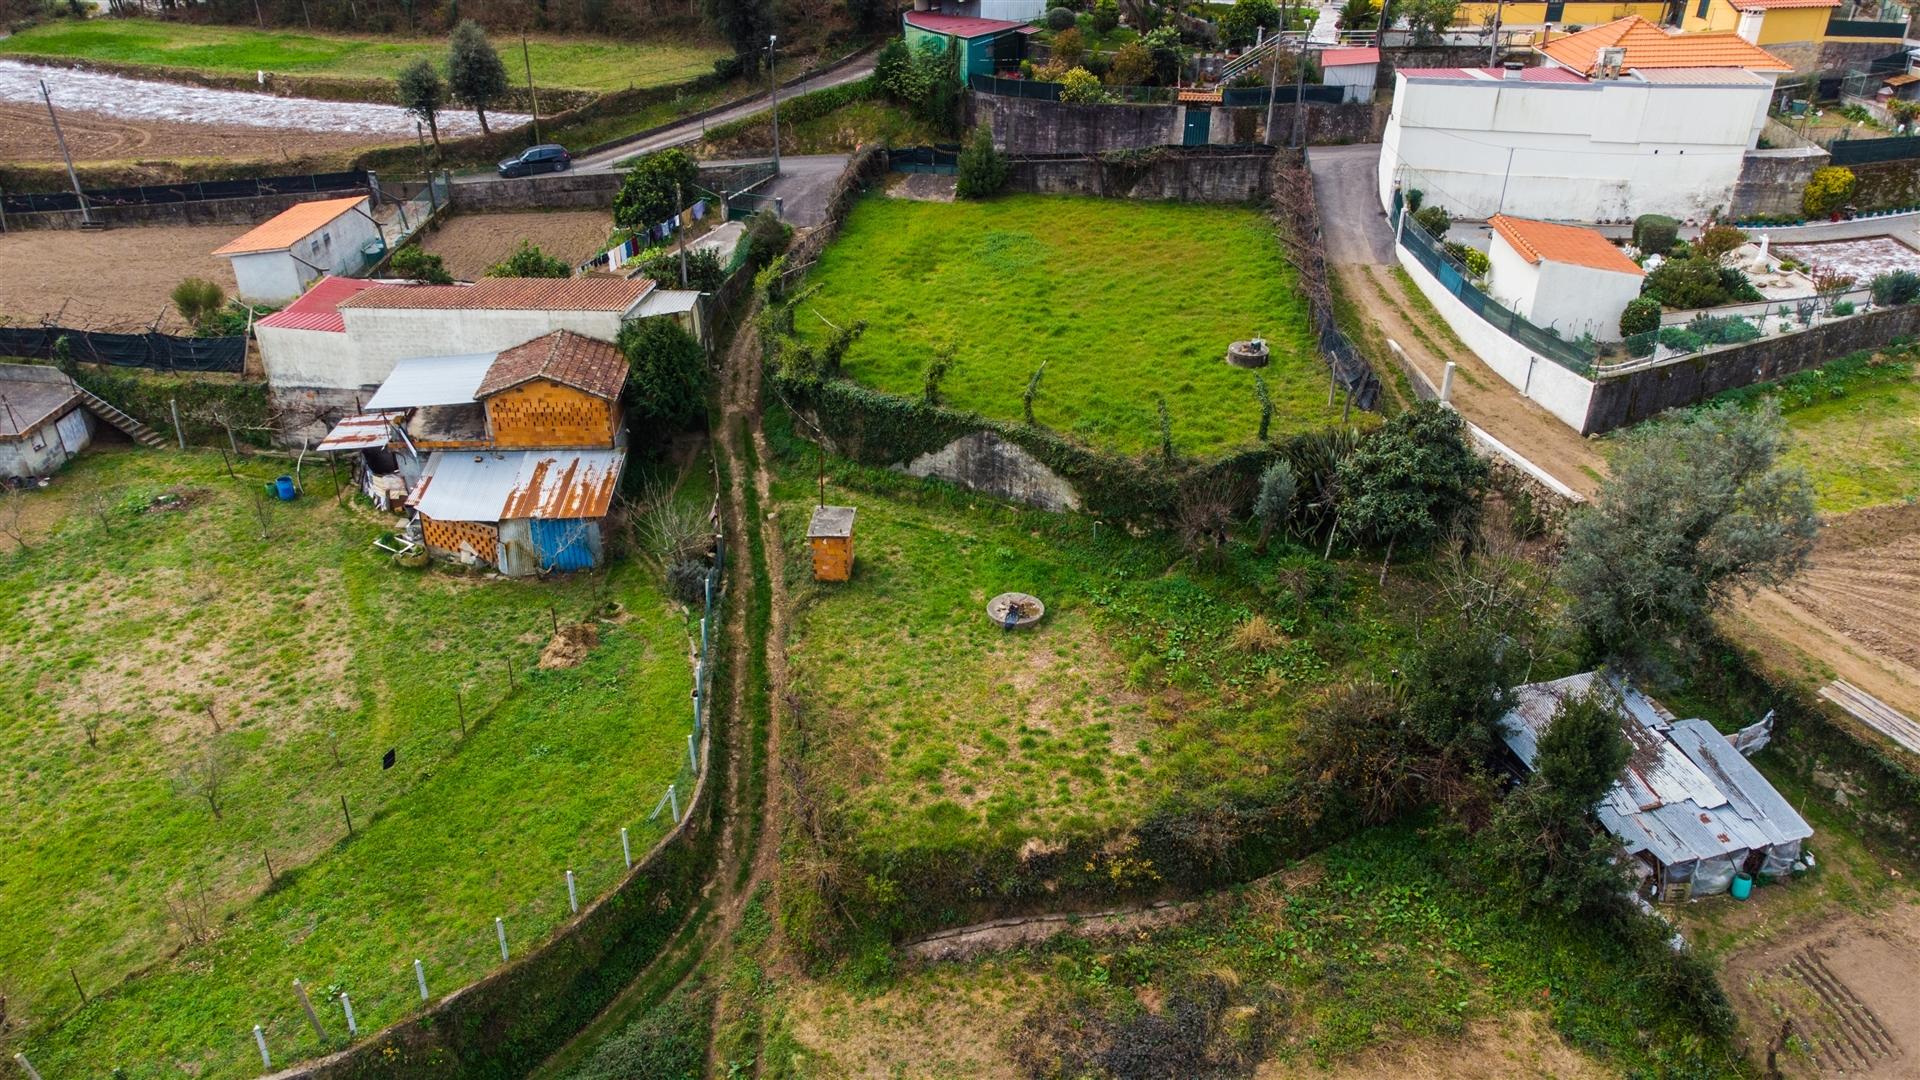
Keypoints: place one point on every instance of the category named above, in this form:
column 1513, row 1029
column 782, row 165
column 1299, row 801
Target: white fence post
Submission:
column 420, row 976
column 1446, row 383
column 26, row 1067
column 693, row 755
column 260, row 1040
column 353, row 1029
column 500, row 928
column 626, row 849
column 673, row 803
column 573, row 899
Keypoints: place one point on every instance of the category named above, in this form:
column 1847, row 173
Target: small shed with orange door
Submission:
column 830, row 538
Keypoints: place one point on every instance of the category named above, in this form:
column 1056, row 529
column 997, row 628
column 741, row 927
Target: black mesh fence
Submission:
column 161, row 352
column 202, row 191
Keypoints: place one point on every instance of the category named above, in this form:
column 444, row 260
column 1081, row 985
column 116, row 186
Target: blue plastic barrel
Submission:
column 1742, row 886
column 283, row 487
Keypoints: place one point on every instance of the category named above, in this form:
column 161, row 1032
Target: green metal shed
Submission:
column 988, row 46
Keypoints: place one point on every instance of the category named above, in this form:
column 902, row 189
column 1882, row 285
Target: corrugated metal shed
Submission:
column 431, row 380
column 1686, row 796
column 523, row 484
column 363, row 432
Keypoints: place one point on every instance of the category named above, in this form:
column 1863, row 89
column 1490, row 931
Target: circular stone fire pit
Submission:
column 1014, row 610
column 1248, row 354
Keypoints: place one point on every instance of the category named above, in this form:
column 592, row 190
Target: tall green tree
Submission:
column 982, row 170
column 474, row 70
column 423, row 94
column 1693, row 511
column 1543, row 838
column 745, row 24
column 666, row 372
column 646, row 196
column 1412, row 481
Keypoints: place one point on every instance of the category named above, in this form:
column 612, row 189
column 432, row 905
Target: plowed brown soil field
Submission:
column 118, row 279
column 472, row 242
column 26, row 136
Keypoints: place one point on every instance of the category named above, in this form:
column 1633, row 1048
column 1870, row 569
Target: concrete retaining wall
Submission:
column 566, row 191
column 1771, row 181
column 1621, row 400
column 983, row 461
column 1212, row 176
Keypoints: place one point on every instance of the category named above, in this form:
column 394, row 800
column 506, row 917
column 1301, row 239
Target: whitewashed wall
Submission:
column 1559, row 391
column 1569, row 151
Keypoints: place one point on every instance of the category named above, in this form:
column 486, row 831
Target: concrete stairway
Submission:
column 135, row 430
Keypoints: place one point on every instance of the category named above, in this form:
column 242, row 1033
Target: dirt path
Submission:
column 1481, row 395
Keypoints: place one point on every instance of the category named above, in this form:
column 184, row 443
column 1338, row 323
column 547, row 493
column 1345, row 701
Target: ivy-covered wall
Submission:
column 203, row 400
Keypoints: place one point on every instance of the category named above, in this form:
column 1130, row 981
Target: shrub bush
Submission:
column 765, row 239
column 1132, row 66
column 1697, row 283
column 1722, row 329
column 1068, row 48
column 1654, row 234
column 1718, row 242
column 1081, row 88
column 982, row 169
column 1477, row 262
column 667, row 372
column 1059, row 18
column 1843, row 307
column 1435, row 220
column 414, row 264
column 1106, row 17
column 1642, row 315
column 197, row 299
column 1414, row 199
column 1827, row 190
column 704, row 271
column 528, row 261
column 1895, row 288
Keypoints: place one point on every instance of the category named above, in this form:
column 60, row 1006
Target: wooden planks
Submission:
column 1874, row 713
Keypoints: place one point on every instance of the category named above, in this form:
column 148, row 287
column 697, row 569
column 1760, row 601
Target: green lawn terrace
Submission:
column 934, row 731
column 148, row 609
column 1122, row 301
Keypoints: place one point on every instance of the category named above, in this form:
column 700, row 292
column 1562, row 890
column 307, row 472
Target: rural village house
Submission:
column 1689, row 807
column 44, row 422
column 1564, row 277
column 327, row 352
column 1621, row 120
column 274, row 261
column 507, row 459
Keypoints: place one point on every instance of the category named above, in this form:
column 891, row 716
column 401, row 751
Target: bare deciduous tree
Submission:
column 190, row 907
column 205, row 778
column 13, row 516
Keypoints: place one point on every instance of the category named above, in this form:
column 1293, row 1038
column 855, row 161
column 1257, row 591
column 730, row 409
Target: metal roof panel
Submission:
column 431, row 380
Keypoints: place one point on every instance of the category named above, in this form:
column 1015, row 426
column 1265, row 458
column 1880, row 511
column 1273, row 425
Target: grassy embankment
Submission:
column 596, row 64
column 145, row 646
column 1122, row 301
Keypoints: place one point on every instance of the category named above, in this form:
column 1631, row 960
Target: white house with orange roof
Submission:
column 1561, row 277
column 1619, row 120
column 274, row 261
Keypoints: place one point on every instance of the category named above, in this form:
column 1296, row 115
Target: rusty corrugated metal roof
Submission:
column 363, row 432
column 465, row 486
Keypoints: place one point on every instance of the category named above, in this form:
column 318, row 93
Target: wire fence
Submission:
column 327, row 1013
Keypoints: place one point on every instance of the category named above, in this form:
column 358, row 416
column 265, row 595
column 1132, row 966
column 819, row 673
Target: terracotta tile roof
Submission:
column 1197, row 95
column 1338, row 57
column 1543, row 240
column 510, row 294
column 1648, row 46
column 959, row 26
column 1768, row 5
column 289, row 226
column 318, row 309
column 563, row 356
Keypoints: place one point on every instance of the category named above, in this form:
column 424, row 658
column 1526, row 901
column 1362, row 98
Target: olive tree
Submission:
column 423, row 94
column 474, row 70
column 1694, row 510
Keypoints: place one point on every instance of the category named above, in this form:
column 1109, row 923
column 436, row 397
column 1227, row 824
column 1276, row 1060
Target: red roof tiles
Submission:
column 959, row 26
column 587, row 364
column 318, row 308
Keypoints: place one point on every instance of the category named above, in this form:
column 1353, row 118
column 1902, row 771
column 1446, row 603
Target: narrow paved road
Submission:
column 691, row 130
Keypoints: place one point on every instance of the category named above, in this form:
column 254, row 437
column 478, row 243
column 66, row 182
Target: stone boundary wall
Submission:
column 247, row 212
column 1214, row 175
column 1621, row 400
column 1036, row 126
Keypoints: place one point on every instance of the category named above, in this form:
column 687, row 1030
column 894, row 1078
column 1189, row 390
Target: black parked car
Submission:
column 547, row 157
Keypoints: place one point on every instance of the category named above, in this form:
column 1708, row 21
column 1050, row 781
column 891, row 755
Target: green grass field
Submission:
column 1862, row 448
column 306, row 645
column 563, row 63
column 938, row 728
column 1121, row 300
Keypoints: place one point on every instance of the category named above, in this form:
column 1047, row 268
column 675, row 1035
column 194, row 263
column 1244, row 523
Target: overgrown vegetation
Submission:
column 528, row 261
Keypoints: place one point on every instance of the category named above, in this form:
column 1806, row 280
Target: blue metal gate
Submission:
column 565, row 543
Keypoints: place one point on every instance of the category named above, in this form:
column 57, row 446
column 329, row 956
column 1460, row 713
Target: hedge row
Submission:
column 150, row 397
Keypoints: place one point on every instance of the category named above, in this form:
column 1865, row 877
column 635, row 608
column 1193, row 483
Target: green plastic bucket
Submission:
column 1742, row 886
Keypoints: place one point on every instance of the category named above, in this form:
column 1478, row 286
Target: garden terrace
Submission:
column 1122, row 301
column 149, row 629
column 944, row 746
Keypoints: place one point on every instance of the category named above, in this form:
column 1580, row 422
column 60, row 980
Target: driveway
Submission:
column 1346, row 182
column 804, row 186
column 691, row 129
